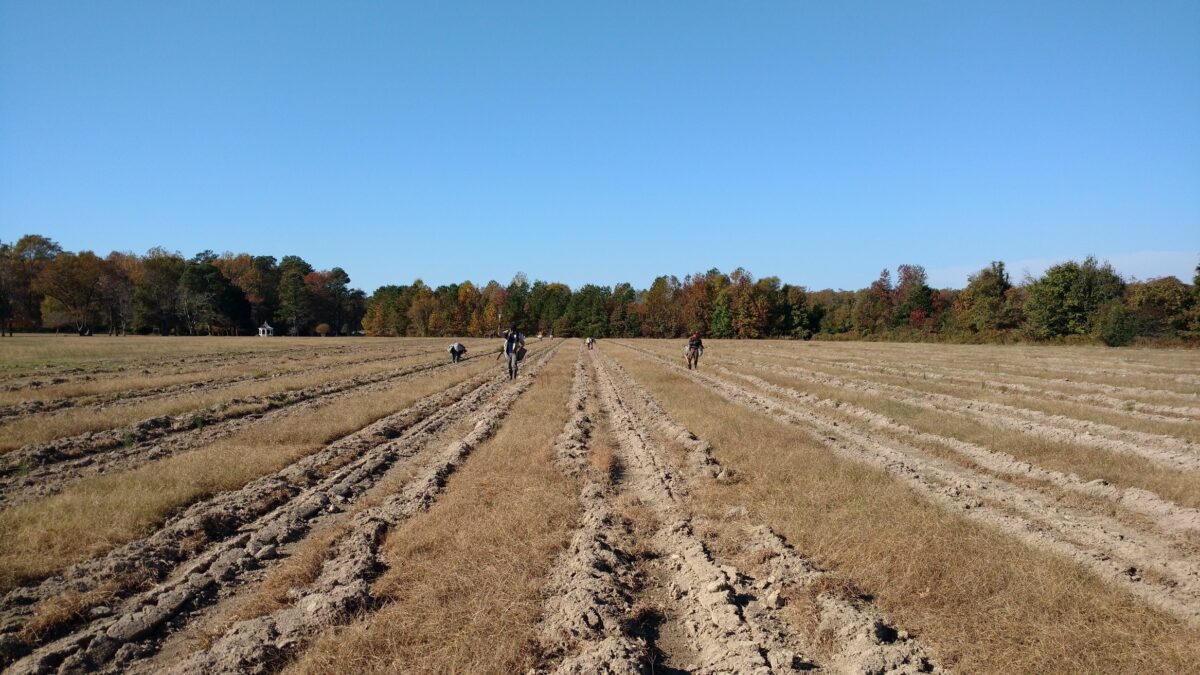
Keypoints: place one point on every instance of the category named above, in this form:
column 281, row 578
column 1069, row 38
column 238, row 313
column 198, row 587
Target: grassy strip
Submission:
column 101, row 513
column 465, row 577
column 985, row 602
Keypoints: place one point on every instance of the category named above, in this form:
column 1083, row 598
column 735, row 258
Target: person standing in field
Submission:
column 456, row 351
column 590, row 342
column 695, row 349
column 514, row 347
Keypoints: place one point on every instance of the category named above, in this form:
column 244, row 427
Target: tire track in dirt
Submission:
column 1136, row 560
column 42, row 469
column 1006, row 383
column 343, row 587
column 709, row 630
column 252, row 538
column 1166, row 451
column 590, row 590
column 129, row 397
column 853, row 637
column 48, row 479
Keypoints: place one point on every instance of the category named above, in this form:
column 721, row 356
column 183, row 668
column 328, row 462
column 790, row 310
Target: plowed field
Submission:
column 361, row 505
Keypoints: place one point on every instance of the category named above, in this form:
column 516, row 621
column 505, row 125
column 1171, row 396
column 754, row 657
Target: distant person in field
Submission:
column 456, row 351
column 695, row 349
column 590, row 342
column 514, row 349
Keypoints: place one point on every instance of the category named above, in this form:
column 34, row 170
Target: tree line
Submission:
column 42, row 286
column 1074, row 301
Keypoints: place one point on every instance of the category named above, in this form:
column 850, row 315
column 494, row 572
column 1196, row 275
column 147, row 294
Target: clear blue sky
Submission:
column 609, row 141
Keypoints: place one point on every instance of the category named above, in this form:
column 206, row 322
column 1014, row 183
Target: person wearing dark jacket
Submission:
column 514, row 348
column 695, row 349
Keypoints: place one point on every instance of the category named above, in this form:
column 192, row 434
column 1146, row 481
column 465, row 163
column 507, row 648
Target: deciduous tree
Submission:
column 1065, row 300
column 70, row 286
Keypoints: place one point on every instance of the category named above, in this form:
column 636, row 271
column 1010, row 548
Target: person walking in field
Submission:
column 590, row 342
column 456, row 351
column 695, row 349
column 514, row 349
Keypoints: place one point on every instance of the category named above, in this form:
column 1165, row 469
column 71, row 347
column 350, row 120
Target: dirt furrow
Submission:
column 1150, row 569
column 1050, row 363
column 1164, row 515
column 709, row 624
column 206, row 384
column 1034, row 372
column 590, row 591
column 1167, row 451
column 202, row 425
column 1075, row 391
column 281, row 501
column 48, row 479
column 852, row 638
column 140, row 624
column 343, row 587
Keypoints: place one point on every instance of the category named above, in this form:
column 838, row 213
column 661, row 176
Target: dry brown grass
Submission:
column 63, row 609
column 993, row 392
column 98, row 514
column 42, row 428
column 1034, row 366
column 35, row 354
column 1013, row 377
column 606, row 463
column 983, row 601
column 300, row 569
column 1182, row 487
column 138, row 380
column 303, row 564
column 465, row 577
column 602, row 449
column 40, row 355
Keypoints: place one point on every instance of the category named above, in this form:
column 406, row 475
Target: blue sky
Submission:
column 609, row 142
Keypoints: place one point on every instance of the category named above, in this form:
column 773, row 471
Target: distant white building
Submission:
column 266, row 330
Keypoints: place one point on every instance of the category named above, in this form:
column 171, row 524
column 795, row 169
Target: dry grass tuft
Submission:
column 602, row 456
column 299, row 570
column 64, row 609
column 644, row 618
column 760, row 556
